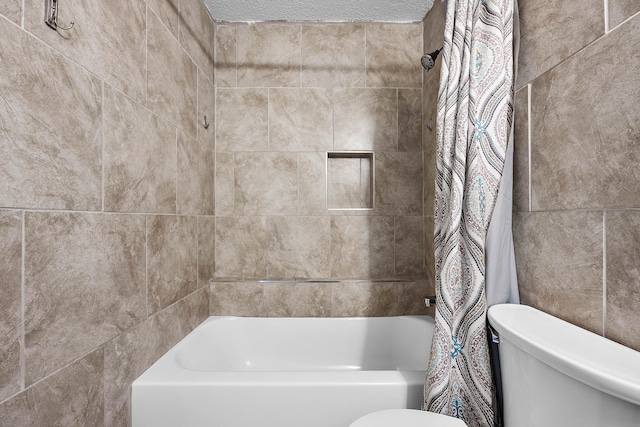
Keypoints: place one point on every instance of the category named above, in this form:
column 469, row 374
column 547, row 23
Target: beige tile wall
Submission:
column 288, row 93
column 577, row 130
column 340, row 298
column 106, row 201
column 576, row 164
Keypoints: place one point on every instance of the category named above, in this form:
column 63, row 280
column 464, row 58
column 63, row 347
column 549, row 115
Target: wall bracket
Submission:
column 51, row 15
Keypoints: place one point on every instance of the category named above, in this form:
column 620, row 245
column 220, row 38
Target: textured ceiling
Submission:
column 319, row 10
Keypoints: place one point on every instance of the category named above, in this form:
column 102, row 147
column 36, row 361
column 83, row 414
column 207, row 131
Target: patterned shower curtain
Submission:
column 475, row 111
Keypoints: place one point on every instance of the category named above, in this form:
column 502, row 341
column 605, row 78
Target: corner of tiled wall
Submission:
column 433, row 34
column 107, row 201
column 576, row 149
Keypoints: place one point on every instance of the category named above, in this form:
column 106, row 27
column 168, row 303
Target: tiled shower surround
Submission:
column 287, row 94
column 117, row 205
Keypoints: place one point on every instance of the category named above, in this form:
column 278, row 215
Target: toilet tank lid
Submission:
column 587, row 357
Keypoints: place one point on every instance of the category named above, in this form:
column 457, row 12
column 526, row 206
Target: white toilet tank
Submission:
column 555, row 374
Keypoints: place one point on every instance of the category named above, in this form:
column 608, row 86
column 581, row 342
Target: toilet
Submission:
column 554, row 374
column 406, row 418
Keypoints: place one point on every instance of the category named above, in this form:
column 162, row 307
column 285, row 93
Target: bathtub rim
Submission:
column 168, row 371
column 583, row 355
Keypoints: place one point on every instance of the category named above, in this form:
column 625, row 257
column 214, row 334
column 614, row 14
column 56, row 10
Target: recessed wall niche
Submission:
column 350, row 180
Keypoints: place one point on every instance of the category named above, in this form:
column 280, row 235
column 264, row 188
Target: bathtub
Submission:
column 285, row 372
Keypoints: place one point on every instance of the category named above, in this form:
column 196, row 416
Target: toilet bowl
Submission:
column 406, row 418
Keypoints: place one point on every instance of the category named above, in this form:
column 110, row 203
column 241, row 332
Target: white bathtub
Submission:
column 285, row 372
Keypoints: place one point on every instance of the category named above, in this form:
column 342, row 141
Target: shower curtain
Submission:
column 474, row 126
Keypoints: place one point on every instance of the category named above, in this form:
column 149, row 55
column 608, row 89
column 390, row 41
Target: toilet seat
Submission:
column 406, row 418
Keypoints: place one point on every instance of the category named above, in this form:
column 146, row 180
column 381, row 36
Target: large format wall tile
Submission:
column 619, row 10
column 433, row 30
column 72, row 396
column 559, row 258
column 409, row 247
column 224, row 183
column 365, row 119
column 393, row 55
column 521, row 152
column 298, row 247
column 118, row 56
column 172, row 266
column 196, row 34
column 429, row 111
column 362, row 247
column 171, row 78
column 84, row 284
column 623, row 277
column 126, row 358
column 241, row 244
column 226, row 64
column 139, row 158
column 12, row 9
column 312, row 169
column 429, row 251
column 297, row 299
column 399, row 184
column 411, row 297
column 318, row 299
column 333, row 55
column 270, row 299
column 300, row 120
column 242, row 120
column 586, row 127
column 410, row 120
column 10, row 301
column 130, row 354
column 194, row 186
column 266, row 184
column 50, row 138
column 363, row 298
column 268, row 55
column 551, row 32
column 236, row 299
column 168, row 12
column 206, row 249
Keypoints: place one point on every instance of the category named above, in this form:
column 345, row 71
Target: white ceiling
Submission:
column 319, row 10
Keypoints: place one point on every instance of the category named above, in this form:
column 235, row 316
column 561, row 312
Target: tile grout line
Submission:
column 23, row 370
column 198, row 131
column 235, row 59
column 298, row 210
column 175, row 212
column 146, row 264
column 606, row 17
column 55, row 372
column 604, row 271
column 146, row 55
column 529, row 139
column 197, row 253
column 102, row 144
